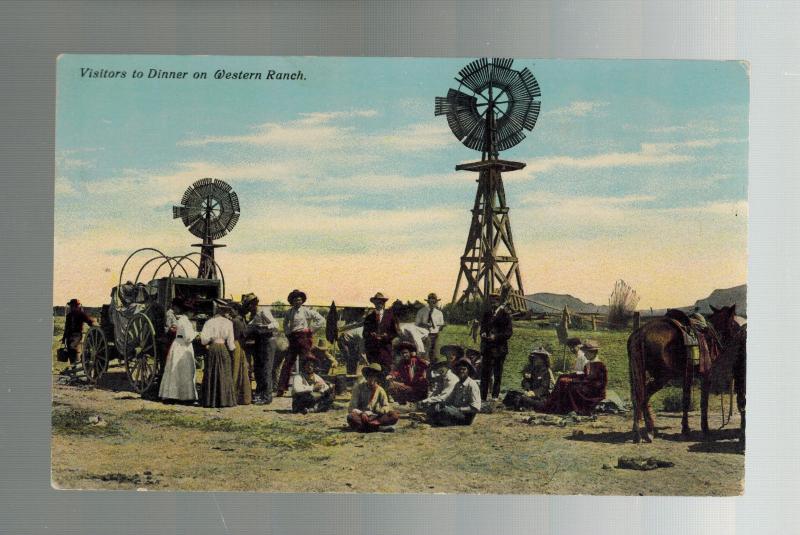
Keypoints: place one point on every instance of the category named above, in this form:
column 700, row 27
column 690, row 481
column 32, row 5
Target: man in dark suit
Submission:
column 496, row 329
column 380, row 328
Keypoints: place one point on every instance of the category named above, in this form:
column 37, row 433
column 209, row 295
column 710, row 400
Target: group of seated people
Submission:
column 449, row 394
column 579, row 391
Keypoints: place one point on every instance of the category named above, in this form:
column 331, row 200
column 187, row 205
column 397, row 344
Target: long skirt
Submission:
column 217, row 387
column 178, row 379
column 241, row 377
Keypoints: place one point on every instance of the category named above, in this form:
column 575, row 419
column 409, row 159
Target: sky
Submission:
column 636, row 170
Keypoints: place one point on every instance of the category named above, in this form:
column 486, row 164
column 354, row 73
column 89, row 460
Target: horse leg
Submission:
column 649, row 417
column 705, row 387
column 740, row 404
column 637, row 413
column 686, row 402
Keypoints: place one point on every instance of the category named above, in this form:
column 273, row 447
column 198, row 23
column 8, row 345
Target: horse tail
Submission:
column 636, row 370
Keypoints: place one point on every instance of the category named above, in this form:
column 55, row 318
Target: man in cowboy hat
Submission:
column 369, row 406
column 463, row 402
column 310, row 392
column 408, row 382
column 380, row 328
column 431, row 320
column 73, row 330
column 495, row 331
column 299, row 325
column 262, row 329
column 441, row 381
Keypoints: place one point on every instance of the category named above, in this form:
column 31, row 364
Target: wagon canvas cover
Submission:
column 590, row 195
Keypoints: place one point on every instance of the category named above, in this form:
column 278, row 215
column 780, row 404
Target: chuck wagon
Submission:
column 132, row 327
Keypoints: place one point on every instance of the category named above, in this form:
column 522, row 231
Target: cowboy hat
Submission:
column 296, row 293
column 73, row 302
column 372, row 369
column 432, row 297
column 249, row 298
column 406, row 345
column 590, row 345
column 573, row 342
column 467, row 363
column 439, row 360
column 378, row 297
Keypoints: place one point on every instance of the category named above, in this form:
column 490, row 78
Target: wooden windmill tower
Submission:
column 489, row 112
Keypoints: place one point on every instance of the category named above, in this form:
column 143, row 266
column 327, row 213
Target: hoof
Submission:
column 648, row 437
column 636, row 438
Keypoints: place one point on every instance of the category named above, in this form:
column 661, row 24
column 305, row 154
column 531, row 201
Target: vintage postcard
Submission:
column 400, row 275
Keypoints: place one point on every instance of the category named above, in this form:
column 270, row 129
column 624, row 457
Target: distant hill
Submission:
column 718, row 298
column 725, row 297
column 557, row 301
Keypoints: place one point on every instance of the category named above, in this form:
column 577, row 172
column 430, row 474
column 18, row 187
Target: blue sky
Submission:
column 349, row 169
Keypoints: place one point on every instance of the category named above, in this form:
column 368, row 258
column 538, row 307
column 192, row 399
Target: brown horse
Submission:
column 656, row 355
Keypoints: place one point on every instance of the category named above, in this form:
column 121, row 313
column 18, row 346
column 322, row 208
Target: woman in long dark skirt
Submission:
column 217, row 388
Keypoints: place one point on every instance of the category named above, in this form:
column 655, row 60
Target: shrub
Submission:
column 672, row 400
column 462, row 313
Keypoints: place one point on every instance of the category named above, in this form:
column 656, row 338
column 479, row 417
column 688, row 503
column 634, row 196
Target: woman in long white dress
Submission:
column 178, row 379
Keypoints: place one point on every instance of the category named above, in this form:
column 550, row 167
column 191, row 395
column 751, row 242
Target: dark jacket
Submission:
column 499, row 325
column 380, row 335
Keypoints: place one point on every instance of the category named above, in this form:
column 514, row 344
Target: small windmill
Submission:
column 489, row 112
column 209, row 209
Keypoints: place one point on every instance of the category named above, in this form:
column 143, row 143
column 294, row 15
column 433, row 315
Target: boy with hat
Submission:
column 408, row 382
column 380, row 328
column 441, row 381
column 262, row 329
column 463, row 402
column 431, row 320
column 299, row 325
column 73, row 330
column 310, row 392
column 575, row 346
column 369, row 407
column 537, row 381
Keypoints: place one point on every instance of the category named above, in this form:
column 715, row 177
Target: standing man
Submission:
column 73, row 330
column 262, row 328
column 299, row 325
column 431, row 319
column 496, row 329
column 380, row 328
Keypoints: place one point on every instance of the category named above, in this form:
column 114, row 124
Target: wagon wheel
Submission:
column 141, row 353
column 94, row 356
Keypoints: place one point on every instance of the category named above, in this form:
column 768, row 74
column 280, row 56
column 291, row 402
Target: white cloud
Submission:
column 64, row 187
column 578, row 108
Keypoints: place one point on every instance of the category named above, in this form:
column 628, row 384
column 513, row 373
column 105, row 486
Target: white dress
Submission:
column 178, row 379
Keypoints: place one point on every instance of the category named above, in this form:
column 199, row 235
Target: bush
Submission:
column 462, row 313
column 672, row 400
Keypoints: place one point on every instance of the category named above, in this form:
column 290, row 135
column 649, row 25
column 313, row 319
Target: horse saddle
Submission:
column 701, row 347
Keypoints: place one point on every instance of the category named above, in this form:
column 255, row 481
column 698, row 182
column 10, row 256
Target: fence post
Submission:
column 594, row 322
column 637, row 320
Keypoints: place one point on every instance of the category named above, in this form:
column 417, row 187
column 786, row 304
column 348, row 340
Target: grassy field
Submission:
column 110, row 438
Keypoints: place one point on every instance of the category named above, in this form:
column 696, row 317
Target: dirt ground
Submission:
column 107, row 439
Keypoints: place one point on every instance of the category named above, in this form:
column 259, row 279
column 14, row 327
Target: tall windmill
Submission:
column 209, row 209
column 489, row 112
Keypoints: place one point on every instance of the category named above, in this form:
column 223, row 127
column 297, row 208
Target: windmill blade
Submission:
column 474, row 74
column 510, row 141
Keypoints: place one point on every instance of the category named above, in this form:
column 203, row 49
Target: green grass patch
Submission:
column 71, row 421
column 274, row 434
